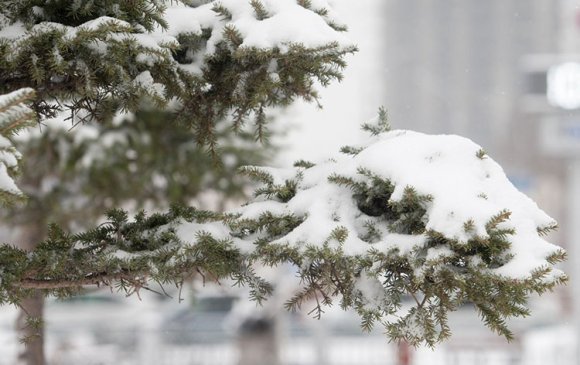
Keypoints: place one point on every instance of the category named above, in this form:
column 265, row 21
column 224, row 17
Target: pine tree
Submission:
column 183, row 78
column 405, row 215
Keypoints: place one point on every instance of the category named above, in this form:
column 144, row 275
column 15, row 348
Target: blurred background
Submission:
column 505, row 73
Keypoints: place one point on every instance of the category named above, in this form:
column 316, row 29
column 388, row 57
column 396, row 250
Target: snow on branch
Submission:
column 222, row 59
column 406, row 215
column 403, row 229
column 404, row 191
column 264, row 24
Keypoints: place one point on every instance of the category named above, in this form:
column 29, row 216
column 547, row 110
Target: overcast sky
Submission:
column 317, row 134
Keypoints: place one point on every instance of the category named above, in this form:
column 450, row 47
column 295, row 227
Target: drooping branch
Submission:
column 400, row 243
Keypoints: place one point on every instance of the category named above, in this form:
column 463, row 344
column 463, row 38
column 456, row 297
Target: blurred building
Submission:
column 453, row 66
column 465, row 67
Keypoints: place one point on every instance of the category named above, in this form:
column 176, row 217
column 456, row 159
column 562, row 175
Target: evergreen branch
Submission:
column 92, row 279
column 152, row 252
column 89, row 66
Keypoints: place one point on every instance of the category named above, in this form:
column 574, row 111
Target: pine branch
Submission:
column 91, row 65
column 259, row 9
column 93, row 279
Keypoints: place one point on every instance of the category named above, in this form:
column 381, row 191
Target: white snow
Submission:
column 372, row 290
column 464, row 186
column 6, row 182
column 12, row 31
column 145, row 81
column 446, row 167
column 288, row 23
column 9, row 156
column 404, row 243
column 103, row 22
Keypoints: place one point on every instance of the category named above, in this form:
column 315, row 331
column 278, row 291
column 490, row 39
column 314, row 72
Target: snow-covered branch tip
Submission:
column 403, row 228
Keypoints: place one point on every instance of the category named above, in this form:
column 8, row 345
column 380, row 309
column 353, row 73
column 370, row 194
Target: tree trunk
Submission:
column 32, row 334
column 29, row 324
